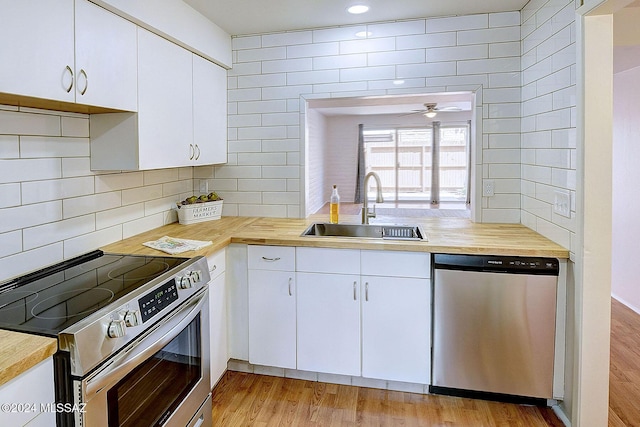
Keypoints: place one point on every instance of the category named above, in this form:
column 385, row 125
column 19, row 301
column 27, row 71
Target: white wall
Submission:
column 273, row 74
column 548, row 117
column 52, row 207
column 626, row 176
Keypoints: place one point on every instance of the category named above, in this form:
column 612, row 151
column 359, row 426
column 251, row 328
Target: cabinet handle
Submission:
column 366, row 291
column 70, row 84
column 86, row 81
column 192, row 152
column 354, row 289
column 271, row 259
column 197, row 152
column 290, row 279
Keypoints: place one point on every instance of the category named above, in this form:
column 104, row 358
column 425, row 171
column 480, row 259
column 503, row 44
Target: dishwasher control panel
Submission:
column 506, row 264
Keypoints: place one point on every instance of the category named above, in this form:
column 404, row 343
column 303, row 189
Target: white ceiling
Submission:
column 241, row 17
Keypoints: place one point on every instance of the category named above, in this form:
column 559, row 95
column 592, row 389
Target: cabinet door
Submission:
column 34, row 387
column 106, row 58
column 37, row 48
column 272, row 318
column 164, row 103
column 218, row 328
column 396, row 329
column 329, row 323
column 209, row 112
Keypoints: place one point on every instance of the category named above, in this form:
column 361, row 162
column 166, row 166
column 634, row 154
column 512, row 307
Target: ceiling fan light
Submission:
column 430, row 114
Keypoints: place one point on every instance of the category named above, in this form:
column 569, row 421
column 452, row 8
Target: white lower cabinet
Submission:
column 32, row 388
column 219, row 342
column 272, row 318
column 396, row 329
column 272, row 306
column 344, row 311
column 329, row 323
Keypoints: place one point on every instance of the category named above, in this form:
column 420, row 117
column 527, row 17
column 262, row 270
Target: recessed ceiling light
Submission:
column 364, row 34
column 357, row 9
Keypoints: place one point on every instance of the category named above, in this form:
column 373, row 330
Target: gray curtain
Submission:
column 435, row 163
column 469, row 163
column 358, row 198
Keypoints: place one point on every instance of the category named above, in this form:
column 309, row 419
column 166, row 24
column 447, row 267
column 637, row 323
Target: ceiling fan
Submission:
column 431, row 109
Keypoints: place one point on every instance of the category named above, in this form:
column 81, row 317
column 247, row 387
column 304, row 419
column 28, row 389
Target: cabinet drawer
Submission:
column 281, row 258
column 325, row 260
column 396, row 264
column 216, row 263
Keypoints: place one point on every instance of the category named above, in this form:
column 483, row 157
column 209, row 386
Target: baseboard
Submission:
column 626, row 303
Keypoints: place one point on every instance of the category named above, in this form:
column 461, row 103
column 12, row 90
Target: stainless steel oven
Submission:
column 161, row 378
column 133, row 337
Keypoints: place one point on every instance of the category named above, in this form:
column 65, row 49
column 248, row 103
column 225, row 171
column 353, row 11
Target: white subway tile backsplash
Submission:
column 467, row 22
column 340, row 61
column 427, row 70
column 368, row 73
column 438, row 54
column 18, row 170
column 10, row 243
column 245, row 42
column 88, row 242
column 413, row 56
column 367, row 45
column 286, row 39
column 504, row 19
column 27, row 261
column 263, row 54
column 75, row 126
column 18, row 217
column 147, row 223
column 19, row 123
column 9, row 147
column 261, row 80
column 313, row 50
column 337, row 34
column 46, row 234
column 286, row 65
column 401, row 28
column 493, row 65
column 490, row 35
column 42, row 191
column 41, row 147
column 119, row 181
column 113, row 217
column 83, row 205
column 141, row 194
column 10, row 195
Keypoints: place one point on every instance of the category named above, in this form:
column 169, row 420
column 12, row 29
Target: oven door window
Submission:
column 151, row 392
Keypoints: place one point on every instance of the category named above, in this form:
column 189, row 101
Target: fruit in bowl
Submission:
column 211, row 197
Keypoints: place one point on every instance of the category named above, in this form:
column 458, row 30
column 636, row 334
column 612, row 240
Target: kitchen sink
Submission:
column 365, row 231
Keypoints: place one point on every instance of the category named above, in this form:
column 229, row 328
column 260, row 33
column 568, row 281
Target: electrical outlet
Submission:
column 562, row 203
column 488, row 187
column 204, row 186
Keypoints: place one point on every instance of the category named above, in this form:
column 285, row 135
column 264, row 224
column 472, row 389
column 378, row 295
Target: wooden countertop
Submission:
column 445, row 235
column 20, row 352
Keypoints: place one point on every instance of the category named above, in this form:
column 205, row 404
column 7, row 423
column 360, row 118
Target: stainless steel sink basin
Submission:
column 366, row 231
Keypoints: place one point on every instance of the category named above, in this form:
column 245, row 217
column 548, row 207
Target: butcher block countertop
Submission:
column 445, row 235
column 20, row 352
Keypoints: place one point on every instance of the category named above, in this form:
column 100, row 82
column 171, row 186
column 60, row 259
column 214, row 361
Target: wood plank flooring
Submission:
column 242, row 399
column 624, row 376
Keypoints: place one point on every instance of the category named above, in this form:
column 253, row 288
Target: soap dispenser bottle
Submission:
column 334, row 206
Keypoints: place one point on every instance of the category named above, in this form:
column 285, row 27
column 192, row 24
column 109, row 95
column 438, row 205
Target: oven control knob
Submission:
column 117, row 328
column 186, row 282
column 132, row 318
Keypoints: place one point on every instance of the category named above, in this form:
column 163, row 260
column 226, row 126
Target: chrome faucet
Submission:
column 366, row 214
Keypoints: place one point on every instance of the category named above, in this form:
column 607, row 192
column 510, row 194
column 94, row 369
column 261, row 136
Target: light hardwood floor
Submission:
column 253, row 400
column 242, row 399
column 624, row 376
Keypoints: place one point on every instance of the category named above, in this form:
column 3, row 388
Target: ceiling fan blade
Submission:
column 449, row 109
column 414, row 112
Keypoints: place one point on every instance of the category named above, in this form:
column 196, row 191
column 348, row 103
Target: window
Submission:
column 403, row 158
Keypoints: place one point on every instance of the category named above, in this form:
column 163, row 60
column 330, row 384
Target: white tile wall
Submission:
column 53, row 207
column 548, row 107
column 274, row 74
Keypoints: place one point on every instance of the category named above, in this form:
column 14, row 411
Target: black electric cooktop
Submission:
column 49, row 300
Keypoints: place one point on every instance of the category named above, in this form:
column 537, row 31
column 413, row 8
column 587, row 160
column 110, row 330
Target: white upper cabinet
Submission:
column 209, row 112
column 106, row 58
column 37, row 49
column 53, row 51
column 181, row 119
column 165, row 102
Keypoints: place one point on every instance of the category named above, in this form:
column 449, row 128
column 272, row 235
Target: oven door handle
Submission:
column 145, row 346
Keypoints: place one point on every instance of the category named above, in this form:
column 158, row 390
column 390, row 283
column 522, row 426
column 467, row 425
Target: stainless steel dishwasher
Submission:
column 494, row 321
